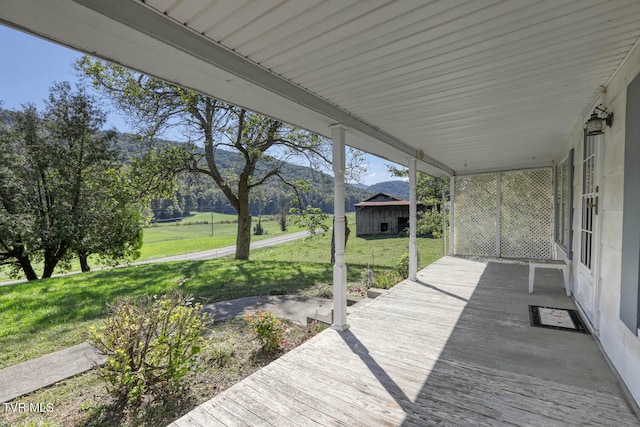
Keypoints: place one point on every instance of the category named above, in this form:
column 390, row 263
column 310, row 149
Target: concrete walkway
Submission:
column 294, row 308
column 47, row 370
column 35, row 374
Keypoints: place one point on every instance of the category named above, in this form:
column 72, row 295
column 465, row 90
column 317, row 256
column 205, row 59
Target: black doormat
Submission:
column 557, row 318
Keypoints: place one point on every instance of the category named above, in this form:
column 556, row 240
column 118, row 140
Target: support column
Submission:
column 413, row 246
column 339, row 268
column 452, row 196
column 444, row 222
column 498, row 206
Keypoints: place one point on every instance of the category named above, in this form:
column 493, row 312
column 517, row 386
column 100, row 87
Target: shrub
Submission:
column 326, row 291
column 386, row 279
column 429, row 224
column 221, row 353
column 269, row 330
column 150, row 344
column 258, row 230
column 402, row 266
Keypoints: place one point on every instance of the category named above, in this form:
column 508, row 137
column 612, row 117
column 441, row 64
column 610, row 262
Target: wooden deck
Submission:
column 455, row 348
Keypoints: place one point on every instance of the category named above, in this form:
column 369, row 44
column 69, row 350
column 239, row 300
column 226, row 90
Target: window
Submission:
column 384, row 227
column 563, row 202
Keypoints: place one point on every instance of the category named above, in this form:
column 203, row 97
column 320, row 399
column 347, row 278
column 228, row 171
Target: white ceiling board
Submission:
column 330, row 24
column 279, row 33
column 469, row 82
column 272, row 19
column 367, row 45
column 93, row 33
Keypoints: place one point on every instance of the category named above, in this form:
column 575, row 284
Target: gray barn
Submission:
column 382, row 214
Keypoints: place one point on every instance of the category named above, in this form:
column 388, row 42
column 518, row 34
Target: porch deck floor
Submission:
column 453, row 348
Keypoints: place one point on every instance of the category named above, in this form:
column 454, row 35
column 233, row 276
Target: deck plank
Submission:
column 453, row 348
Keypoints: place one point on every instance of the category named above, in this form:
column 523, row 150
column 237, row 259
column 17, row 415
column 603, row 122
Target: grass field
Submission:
column 192, row 236
column 43, row 316
column 188, row 235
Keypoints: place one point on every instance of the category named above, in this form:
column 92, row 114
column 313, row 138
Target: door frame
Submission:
column 590, row 314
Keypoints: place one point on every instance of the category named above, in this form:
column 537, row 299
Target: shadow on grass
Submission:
column 31, row 307
column 47, row 314
column 382, row 236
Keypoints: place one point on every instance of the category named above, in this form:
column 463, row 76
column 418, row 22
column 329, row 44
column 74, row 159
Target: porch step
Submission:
column 352, row 305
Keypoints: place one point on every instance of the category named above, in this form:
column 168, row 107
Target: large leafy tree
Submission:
column 264, row 145
column 61, row 190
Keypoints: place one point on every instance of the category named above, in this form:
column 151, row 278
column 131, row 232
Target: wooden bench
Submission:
column 556, row 264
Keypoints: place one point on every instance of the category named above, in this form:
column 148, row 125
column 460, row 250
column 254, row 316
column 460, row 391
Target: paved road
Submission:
column 204, row 255
column 229, row 250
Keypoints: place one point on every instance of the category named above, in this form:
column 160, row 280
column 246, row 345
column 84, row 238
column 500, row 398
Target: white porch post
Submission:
column 339, row 268
column 452, row 188
column 444, row 222
column 413, row 247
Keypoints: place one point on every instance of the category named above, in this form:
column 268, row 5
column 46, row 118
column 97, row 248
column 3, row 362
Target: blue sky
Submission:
column 32, row 65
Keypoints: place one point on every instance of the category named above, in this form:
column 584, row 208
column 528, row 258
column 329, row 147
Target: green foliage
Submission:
column 154, row 173
column 157, row 105
column 325, row 292
column 429, row 192
column 386, row 279
column 429, row 223
column 402, row 266
column 282, row 210
column 221, row 353
column 56, row 313
column 311, row 219
column 258, row 230
column 269, row 330
column 151, row 344
column 63, row 190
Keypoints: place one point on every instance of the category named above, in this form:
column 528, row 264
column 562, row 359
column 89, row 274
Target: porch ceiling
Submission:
column 476, row 85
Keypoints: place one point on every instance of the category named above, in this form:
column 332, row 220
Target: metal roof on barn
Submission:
column 383, row 199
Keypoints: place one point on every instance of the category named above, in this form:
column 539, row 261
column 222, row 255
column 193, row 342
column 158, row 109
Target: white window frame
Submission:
column 563, row 204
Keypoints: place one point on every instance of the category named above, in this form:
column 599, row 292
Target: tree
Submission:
column 282, row 209
column 110, row 224
column 264, row 145
column 15, row 217
column 429, row 192
column 61, row 189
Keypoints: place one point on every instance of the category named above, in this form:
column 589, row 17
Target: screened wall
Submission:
column 504, row 214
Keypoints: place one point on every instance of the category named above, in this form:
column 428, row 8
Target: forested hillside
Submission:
column 197, row 193
column 395, row 188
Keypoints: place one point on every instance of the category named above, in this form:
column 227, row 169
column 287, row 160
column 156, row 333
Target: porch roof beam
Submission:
column 136, row 15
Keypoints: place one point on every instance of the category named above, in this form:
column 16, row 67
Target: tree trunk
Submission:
column 28, row 270
column 50, row 262
column 49, row 266
column 84, row 264
column 243, row 236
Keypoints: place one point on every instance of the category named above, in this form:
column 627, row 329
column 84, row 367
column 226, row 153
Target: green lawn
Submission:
column 186, row 236
column 380, row 253
column 40, row 317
